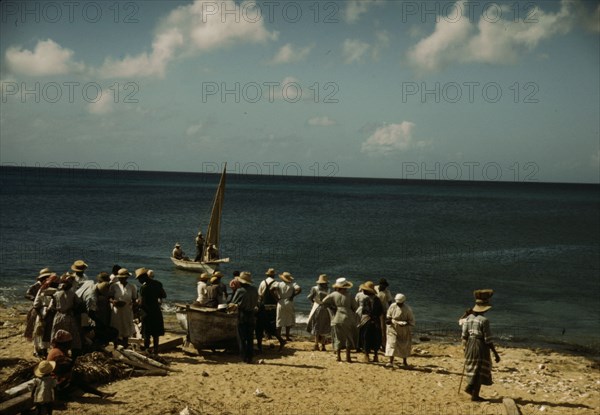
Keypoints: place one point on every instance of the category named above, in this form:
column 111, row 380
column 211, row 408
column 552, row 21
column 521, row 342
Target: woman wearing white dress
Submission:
column 400, row 321
column 122, row 297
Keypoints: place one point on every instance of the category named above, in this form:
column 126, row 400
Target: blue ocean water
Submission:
column 535, row 244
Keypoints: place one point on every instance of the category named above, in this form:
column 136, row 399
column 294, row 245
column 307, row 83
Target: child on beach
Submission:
column 43, row 386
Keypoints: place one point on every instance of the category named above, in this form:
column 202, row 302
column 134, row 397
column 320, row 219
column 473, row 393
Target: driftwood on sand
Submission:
column 144, row 359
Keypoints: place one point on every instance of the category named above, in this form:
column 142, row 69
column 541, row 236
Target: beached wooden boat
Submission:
column 208, row 328
column 211, row 258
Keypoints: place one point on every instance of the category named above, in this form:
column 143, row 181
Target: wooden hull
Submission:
column 209, row 267
column 208, row 328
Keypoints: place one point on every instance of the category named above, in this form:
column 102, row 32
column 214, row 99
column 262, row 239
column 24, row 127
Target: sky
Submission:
column 497, row 91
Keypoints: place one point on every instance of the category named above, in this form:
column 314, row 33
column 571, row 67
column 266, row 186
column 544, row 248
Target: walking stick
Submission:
column 461, row 376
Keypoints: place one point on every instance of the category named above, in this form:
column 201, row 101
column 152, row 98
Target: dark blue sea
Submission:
column 536, row 244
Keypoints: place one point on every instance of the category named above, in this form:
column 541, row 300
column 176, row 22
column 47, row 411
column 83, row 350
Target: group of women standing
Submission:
column 361, row 322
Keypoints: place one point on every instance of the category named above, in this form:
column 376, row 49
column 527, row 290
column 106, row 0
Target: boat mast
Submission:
column 214, row 226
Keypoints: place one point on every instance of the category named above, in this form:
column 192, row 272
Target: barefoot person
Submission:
column 151, row 295
column 246, row 302
column 370, row 322
column 267, row 311
column 285, row 291
column 319, row 320
column 343, row 323
column 477, row 337
column 400, row 321
column 122, row 297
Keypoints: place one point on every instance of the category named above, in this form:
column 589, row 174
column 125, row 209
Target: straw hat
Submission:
column 368, row 286
column 245, row 278
column 44, row 273
column 203, row 277
column 123, row 273
column 214, row 279
column 62, row 336
column 342, row 283
column 79, row 266
column 151, row 274
column 177, row 245
column 400, row 298
column 45, row 367
column 482, row 300
column 286, row 276
column 270, row 272
column 218, row 274
column 141, row 271
column 322, row 279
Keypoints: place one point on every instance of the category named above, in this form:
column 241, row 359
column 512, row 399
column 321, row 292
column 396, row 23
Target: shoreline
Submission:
column 432, row 331
column 301, row 381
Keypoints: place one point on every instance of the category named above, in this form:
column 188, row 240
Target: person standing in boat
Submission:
column 285, row 291
column 267, row 311
column 122, row 297
column 199, row 247
column 319, row 319
column 478, row 341
column 246, row 302
column 151, row 295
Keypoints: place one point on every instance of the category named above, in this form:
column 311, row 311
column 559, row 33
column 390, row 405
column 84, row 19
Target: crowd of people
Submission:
column 72, row 314
column 369, row 322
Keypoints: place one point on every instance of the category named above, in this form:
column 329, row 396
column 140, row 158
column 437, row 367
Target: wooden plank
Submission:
column 510, row 407
column 162, row 347
column 16, row 405
column 19, row 389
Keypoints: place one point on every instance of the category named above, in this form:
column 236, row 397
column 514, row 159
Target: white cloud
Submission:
column 103, row 105
column 500, row 42
column 321, row 121
column 193, row 129
column 47, row 58
column 189, row 30
column 353, row 50
column 390, row 138
column 288, row 54
column 355, row 8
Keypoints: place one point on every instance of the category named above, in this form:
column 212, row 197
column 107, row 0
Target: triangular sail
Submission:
column 214, row 226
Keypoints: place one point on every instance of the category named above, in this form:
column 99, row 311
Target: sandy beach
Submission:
column 301, row 381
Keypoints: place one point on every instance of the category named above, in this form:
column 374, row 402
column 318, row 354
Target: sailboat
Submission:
column 210, row 252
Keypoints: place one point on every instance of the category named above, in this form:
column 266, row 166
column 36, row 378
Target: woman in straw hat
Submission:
column 122, row 297
column 30, row 295
column 319, row 319
column 44, row 316
column 478, row 339
column 400, row 321
column 285, row 291
column 370, row 322
column 343, row 323
column 65, row 302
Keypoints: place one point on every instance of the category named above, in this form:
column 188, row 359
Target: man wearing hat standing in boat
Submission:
column 199, row 247
column 245, row 300
column 478, row 341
